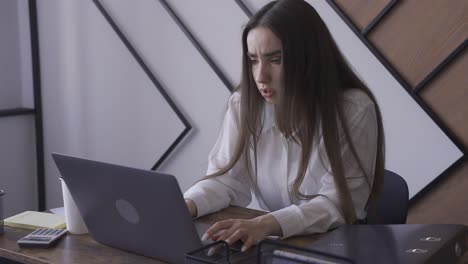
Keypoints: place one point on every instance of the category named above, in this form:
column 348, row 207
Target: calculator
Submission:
column 41, row 238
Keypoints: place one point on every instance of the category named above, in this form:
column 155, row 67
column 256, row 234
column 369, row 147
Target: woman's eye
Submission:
column 276, row 60
column 253, row 61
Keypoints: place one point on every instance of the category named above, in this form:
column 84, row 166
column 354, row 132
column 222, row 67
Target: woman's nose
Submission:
column 262, row 74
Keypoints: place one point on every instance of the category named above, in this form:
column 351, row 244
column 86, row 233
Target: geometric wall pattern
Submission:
column 155, row 81
column 377, row 12
column 122, row 32
column 427, row 54
column 106, row 107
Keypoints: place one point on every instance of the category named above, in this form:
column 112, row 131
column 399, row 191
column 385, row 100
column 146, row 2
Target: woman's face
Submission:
column 265, row 53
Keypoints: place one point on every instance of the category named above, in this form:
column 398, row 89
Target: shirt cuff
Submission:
column 290, row 220
column 200, row 202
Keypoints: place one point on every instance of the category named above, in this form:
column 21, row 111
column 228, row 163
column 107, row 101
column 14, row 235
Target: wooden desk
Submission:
column 83, row 249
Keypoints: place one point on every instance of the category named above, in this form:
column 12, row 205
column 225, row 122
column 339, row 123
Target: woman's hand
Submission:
column 248, row 231
column 192, row 207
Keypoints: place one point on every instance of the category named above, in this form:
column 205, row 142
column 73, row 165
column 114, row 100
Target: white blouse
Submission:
column 278, row 160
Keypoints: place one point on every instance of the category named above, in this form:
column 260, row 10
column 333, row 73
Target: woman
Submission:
column 302, row 133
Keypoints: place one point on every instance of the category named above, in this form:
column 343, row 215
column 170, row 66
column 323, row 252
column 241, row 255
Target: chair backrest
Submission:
column 392, row 204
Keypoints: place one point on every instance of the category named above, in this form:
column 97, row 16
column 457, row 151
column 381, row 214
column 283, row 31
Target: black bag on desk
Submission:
column 410, row 243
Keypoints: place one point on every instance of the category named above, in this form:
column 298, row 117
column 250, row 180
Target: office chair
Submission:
column 392, row 204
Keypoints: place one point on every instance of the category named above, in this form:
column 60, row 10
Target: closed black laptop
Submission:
column 411, row 243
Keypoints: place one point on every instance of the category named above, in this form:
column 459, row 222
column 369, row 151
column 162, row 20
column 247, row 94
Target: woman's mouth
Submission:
column 267, row 93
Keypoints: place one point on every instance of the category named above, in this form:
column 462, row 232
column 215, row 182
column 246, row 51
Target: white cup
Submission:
column 73, row 219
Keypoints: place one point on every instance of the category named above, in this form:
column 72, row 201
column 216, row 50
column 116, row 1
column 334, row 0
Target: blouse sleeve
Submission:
column 322, row 212
column 232, row 188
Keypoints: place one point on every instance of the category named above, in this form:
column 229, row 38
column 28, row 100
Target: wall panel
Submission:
column 18, row 119
column 446, row 203
column 207, row 20
column 191, row 83
column 447, row 95
column 418, row 35
column 17, row 163
column 420, row 159
column 10, row 62
column 425, row 45
column 362, row 12
column 98, row 102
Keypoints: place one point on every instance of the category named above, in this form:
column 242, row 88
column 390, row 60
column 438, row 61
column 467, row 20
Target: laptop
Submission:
column 132, row 209
column 410, row 243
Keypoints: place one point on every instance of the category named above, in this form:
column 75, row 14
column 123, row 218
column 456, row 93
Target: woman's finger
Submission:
column 216, row 227
column 227, row 233
column 248, row 243
column 214, row 250
column 238, row 234
column 218, row 234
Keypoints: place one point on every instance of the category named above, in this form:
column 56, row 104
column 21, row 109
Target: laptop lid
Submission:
column 132, row 209
column 410, row 243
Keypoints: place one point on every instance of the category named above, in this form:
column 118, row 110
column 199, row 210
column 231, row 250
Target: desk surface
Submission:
column 83, row 249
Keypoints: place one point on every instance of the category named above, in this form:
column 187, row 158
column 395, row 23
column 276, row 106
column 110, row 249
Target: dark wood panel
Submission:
column 445, row 203
column 418, row 35
column 447, row 96
column 362, row 12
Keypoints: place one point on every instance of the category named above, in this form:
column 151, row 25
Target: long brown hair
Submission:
column 316, row 76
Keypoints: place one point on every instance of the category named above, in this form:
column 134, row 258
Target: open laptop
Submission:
column 132, row 209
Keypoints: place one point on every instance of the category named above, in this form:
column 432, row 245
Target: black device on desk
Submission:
column 409, row 243
column 369, row 244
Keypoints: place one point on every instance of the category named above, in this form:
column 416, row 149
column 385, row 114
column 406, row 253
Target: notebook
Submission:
column 35, row 220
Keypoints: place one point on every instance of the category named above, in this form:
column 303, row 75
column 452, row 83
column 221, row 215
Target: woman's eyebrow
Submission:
column 268, row 54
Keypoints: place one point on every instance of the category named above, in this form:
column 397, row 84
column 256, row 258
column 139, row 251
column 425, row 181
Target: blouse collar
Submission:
column 269, row 121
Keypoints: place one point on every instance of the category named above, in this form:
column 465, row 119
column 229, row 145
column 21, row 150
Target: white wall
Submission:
column 99, row 104
column 10, row 81
column 17, row 134
column 18, row 164
column 24, row 46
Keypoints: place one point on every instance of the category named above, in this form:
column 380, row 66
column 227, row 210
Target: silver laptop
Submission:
column 136, row 210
